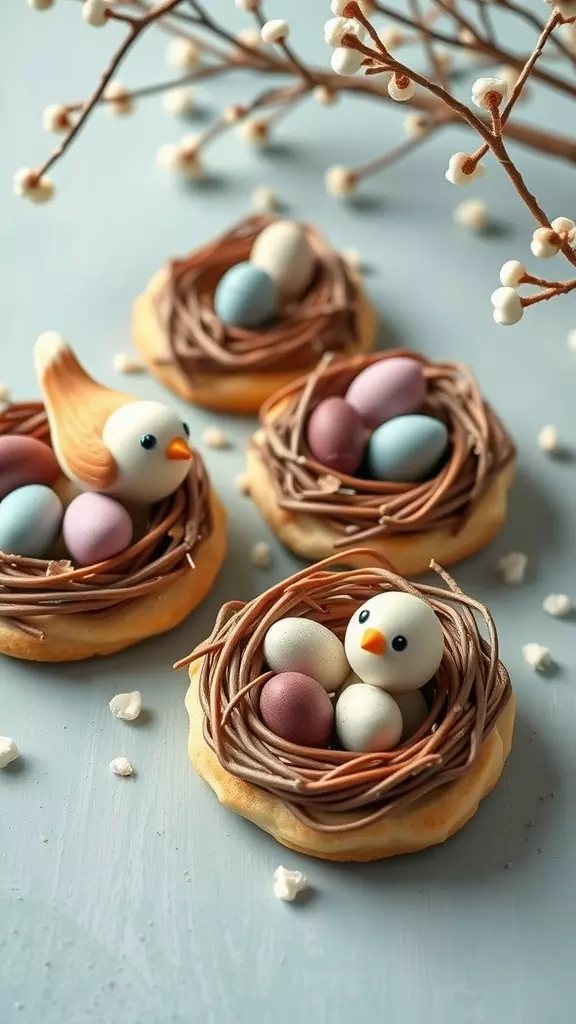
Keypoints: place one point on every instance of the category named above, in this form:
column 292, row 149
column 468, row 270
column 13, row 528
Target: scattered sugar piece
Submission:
column 264, row 199
column 572, row 339
column 557, row 604
column 353, row 259
column 58, row 567
column 260, row 554
column 242, row 483
column 124, row 363
column 471, row 213
column 126, row 706
column 8, row 751
column 213, row 437
column 287, row 884
column 548, row 438
column 121, row 766
column 5, row 394
column 512, row 567
column 536, row 656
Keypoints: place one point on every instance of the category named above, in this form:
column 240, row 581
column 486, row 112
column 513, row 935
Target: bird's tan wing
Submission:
column 77, row 408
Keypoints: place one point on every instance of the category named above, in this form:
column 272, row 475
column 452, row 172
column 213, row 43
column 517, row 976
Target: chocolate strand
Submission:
column 323, row 320
column 360, row 509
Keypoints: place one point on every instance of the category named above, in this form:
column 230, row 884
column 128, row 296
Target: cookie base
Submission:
column 426, row 822
column 77, row 637
column 223, row 392
column 313, row 539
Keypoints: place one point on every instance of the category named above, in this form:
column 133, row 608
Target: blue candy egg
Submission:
column 406, row 449
column 246, row 296
column 30, row 520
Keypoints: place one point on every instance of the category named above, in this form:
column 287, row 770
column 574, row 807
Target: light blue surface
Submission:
column 141, row 900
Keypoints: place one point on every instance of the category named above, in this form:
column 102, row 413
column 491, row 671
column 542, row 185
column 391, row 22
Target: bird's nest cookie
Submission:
column 50, row 610
column 332, row 794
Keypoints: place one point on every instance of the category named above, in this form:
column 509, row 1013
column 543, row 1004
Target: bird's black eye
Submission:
column 148, row 441
column 364, row 616
column 399, row 643
column 186, row 429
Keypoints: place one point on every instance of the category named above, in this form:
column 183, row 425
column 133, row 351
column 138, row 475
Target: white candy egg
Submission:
column 283, row 251
column 394, row 641
column 306, row 646
column 367, row 719
column 414, row 711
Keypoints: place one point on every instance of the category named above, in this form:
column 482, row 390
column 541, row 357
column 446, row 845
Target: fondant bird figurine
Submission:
column 104, row 440
column 394, row 641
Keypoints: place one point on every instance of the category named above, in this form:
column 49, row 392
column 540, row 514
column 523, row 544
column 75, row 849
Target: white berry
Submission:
column 511, row 273
column 179, row 101
column 94, row 13
column 275, row 31
column 182, row 54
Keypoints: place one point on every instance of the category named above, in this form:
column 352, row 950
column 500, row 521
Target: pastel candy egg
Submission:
column 245, row 296
column 390, row 387
column 297, row 708
column 30, row 520
column 336, row 436
column 96, row 528
column 414, row 711
column 308, row 647
column 407, row 448
column 367, row 719
column 25, row 460
column 283, row 251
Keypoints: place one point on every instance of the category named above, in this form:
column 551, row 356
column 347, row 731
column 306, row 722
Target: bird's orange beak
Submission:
column 178, row 449
column 373, row 641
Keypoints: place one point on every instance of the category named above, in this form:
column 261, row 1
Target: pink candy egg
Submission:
column 390, row 387
column 336, row 435
column 23, row 461
column 298, row 709
column 95, row 528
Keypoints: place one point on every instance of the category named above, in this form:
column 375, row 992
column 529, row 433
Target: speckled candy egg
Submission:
column 297, row 708
column 245, row 296
column 30, row 520
column 367, row 719
column 96, row 528
column 25, row 460
column 335, row 435
column 414, row 711
column 407, row 448
column 283, row 251
column 390, row 387
column 306, row 646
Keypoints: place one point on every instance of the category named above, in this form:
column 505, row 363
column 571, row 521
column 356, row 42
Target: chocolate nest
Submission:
column 31, row 587
column 362, row 509
column 324, row 319
column 335, row 790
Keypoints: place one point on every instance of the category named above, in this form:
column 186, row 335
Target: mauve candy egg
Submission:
column 336, row 435
column 95, row 528
column 407, row 448
column 390, row 387
column 25, row 460
column 246, row 296
column 297, row 708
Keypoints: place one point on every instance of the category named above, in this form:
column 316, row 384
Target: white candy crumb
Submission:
column 472, row 213
column 548, row 438
column 287, row 884
column 242, row 484
column 121, row 766
column 557, row 604
column 126, row 706
column 8, row 751
column 260, row 555
column 213, row 437
column 571, row 340
column 353, row 259
column 264, row 199
column 5, row 395
column 512, row 567
column 536, row 656
column 124, row 363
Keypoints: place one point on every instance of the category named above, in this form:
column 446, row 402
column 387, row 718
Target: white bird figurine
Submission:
column 107, row 441
column 394, row 641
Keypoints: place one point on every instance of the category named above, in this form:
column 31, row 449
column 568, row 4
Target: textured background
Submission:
column 142, row 900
